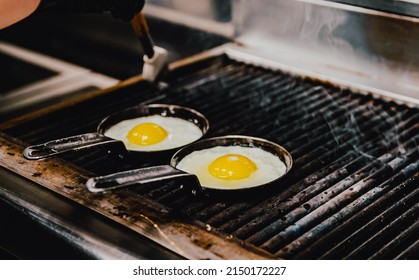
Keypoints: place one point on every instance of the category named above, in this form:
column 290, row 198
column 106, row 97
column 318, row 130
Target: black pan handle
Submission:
column 136, row 176
column 72, row 143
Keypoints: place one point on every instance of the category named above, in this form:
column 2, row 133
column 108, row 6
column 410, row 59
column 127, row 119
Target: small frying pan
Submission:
column 170, row 172
column 78, row 142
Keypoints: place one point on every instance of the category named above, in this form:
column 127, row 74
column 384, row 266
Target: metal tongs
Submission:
column 155, row 58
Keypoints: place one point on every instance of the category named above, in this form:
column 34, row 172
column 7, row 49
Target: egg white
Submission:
column 180, row 132
column 269, row 166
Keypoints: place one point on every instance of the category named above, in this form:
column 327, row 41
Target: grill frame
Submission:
column 187, row 237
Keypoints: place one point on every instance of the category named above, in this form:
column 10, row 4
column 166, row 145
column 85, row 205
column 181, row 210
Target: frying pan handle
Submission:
column 72, row 143
column 136, row 176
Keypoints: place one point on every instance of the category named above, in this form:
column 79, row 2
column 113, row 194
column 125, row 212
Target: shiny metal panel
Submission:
column 333, row 41
column 212, row 16
column 403, row 7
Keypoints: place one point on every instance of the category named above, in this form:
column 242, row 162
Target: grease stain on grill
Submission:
column 120, row 211
column 80, row 180
column 36, row 174
column 307, row 206
column 200, row 242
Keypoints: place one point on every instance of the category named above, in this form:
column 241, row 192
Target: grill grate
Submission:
column 352, row 192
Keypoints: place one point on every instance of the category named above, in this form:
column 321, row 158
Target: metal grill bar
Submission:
column 342, row 199
column 410, row 252
column 393, row 192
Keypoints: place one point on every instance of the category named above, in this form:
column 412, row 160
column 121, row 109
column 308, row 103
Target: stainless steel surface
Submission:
column 344, row 44
column 403, row 7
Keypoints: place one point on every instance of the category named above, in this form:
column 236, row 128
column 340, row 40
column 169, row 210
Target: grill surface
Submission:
column 352, row 192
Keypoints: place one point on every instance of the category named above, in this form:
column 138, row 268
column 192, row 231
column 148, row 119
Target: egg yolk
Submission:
column 232, row 167
column 146, row 134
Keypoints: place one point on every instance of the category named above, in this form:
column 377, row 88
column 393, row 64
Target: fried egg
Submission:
column 154, row 133
column 232, row 167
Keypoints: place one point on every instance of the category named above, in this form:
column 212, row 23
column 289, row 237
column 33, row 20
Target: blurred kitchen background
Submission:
column 47, row 57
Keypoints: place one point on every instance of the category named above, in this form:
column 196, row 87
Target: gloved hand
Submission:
column 122, row 9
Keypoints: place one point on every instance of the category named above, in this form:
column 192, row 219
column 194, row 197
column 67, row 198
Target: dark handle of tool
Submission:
column 142, row 31
column 122, row 9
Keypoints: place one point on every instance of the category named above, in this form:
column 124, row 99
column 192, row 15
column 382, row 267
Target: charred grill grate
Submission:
column 352, row 192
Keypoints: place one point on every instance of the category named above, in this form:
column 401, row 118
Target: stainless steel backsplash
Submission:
column 373, row 49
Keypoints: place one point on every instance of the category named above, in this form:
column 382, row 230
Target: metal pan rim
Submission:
column 243, row 139
column 103, row 125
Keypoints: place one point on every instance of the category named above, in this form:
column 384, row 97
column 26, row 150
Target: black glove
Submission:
column 122, row 9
